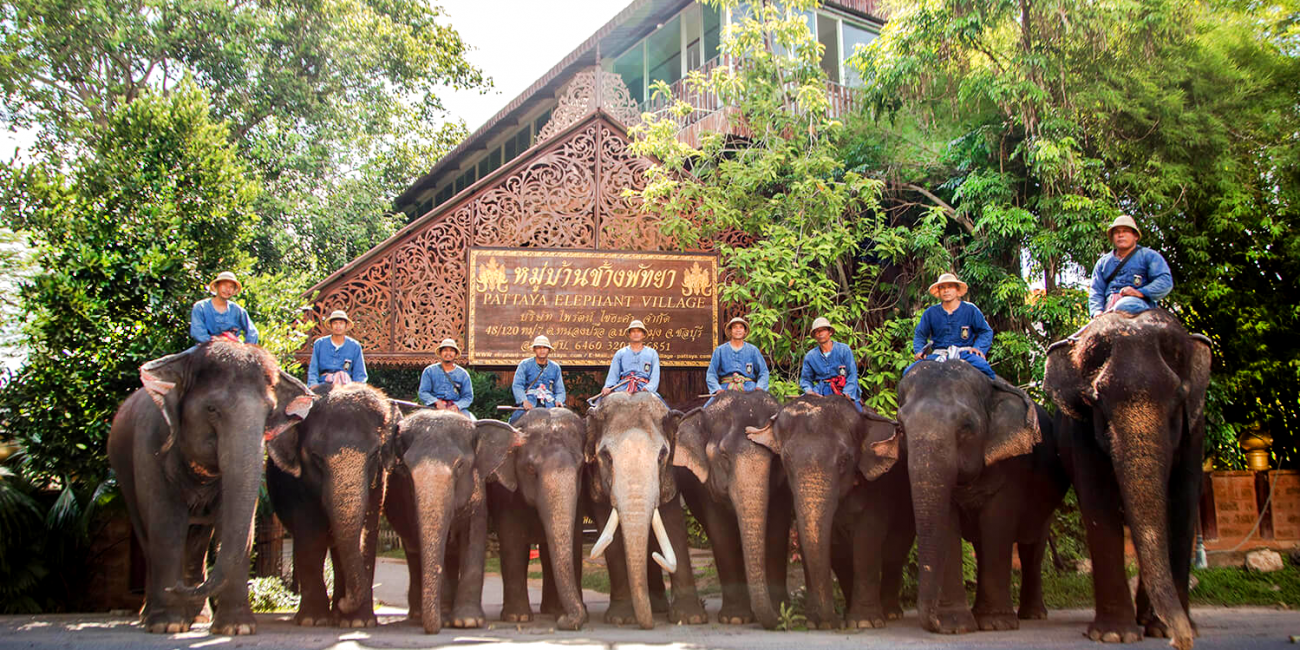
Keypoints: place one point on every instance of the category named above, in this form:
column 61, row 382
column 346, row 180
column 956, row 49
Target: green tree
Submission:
column 127, row 239
column 825, row 247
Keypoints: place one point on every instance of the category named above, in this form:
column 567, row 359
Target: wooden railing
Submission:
column 706, row 103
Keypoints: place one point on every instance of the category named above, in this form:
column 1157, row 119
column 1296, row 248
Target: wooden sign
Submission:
column 584, row 300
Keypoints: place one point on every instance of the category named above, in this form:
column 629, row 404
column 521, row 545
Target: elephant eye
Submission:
column 663, row 453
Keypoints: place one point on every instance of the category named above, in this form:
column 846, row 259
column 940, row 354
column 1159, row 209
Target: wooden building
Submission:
column 548, row 171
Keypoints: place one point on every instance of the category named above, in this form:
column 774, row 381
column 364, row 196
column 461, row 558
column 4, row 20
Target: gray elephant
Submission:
column 983, row 465
column 736, row 492
column 631, row 485
column 437, row 503
column 187, row 451
column 326, row 482
column 1131, row 393
column 862, row 531
column 543, row 509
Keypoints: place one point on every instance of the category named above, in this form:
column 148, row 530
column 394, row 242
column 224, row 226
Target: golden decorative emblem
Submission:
column 491, row 277
column 696, row 282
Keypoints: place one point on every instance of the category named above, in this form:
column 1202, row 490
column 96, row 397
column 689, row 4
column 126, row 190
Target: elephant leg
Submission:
column 415, row 581
column 868, row 542
column 780, row 516
column 686, row 606
column 898, row 545
column 363, row 614
column 1184, row 499
column 451, row 565
column 993, row 609
column 620, row 594
column 550, row 595
column 166, row 612
column 468, row 611
column 728, row 557
column 655, row 581
column 1031, row 553
column 513, row 536
column 1099, row 501
column 196, row 555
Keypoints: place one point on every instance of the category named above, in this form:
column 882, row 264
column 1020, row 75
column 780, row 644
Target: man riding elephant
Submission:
column 736, row 365
column 1130, row 278
column 953, row 328
column 635, row 367
column 538, row 381
column 219, row 316
column 446, row 386
column 337, row 358
column 829, row 368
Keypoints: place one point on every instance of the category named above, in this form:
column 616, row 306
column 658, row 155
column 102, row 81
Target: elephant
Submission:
column 1131, row 394
column 631, row 487
column 983, row 464
column 437, row 503
column 732, row 486
column 862, row 531
column 544, row 508
column 326, row 482
column 187, row 452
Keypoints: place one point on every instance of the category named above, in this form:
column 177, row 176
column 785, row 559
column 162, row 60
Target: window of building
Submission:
column 540, row 123
column 631, row 67
column 663, row 54
column 712, row 20
column 853, row 36
column 444, row 194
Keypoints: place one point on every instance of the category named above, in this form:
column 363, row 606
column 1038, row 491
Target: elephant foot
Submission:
column 166, row 622
column 893, row 612
column 1033, row 612
column 997, row 622
column 236, row 623
column 467, row 616
column 823, row 625
column 958, row 621
column 567, row 622
column 550, row 608
column 620, row 612
column 865, row 618
column 516, row 613
column 1114, row 632
column 659, row 603
column 1156, row 628
column 733, row 614
column 357, row 621
column 688, row 611
column 313, row 617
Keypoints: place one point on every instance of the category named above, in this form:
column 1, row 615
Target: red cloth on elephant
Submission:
column 635, row 383
column 838, row 383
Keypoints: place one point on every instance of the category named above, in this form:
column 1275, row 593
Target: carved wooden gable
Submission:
column 409, row 293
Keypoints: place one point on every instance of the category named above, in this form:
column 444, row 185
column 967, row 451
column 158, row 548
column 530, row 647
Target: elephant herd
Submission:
column 967, row 458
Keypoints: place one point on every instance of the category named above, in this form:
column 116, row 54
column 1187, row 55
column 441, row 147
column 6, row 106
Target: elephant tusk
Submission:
column 607, row 535
column 669, row 559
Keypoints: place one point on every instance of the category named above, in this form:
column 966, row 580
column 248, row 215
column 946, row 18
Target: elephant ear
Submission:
column 765, row 435
column 1013, row 424
column 881, row 444
column 493, row 442
column 388, row 453
column 689, row 451
column 1197, row 382
column 1064, row 381
column 293, row 401
column 165, row 380
column 595, row 426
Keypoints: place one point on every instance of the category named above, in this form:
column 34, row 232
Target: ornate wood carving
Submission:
column 578, row 98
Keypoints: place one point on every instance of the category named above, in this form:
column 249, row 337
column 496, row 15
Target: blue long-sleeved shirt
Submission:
column 454, row 386
column 643, row 364
column 965, row 327
column 818, row 368
column 326, row 359
column 206, row 322
column 727, row 361
column 530, row 376
column 1148, row 272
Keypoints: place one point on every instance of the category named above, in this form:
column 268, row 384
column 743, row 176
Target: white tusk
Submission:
column 606, row 536
column 669, row 559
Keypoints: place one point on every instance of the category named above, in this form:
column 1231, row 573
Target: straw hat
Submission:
column 635, row 325
column 223, row 277
column 542, row 342
column 448, row 343
column 948, row 278
column 734, row 321
column 1125, row 221
column 819, row 323
column 338, row 314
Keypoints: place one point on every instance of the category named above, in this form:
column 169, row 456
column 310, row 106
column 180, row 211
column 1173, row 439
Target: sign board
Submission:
column 583, row 301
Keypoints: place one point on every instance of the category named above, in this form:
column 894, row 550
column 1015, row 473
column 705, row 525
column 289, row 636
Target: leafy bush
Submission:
column 271, row 594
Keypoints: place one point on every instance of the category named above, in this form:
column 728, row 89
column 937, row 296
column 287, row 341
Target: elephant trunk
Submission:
column 240, row 480
column 1143, row 478
column 815, row 504
column 750, row 493
column 938, row 548
column 434, row 507
column 634, row 497
column 347, row 502
column 558, row 510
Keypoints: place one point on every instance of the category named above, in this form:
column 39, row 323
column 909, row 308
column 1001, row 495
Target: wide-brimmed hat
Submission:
column 448, row 343
column 222, row 277
column 338, row 314
column 819, row 323
column 1125, row 221
column 542, row 342
column 948, row 278
column 635, row 325
column 734, row 321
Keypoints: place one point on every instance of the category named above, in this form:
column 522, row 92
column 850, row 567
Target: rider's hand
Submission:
column 919, row 355
column 528, row 406
column 1130, row 291
column 451, row 406
column 810, row 392
column 606, row 391
column 979, row 352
